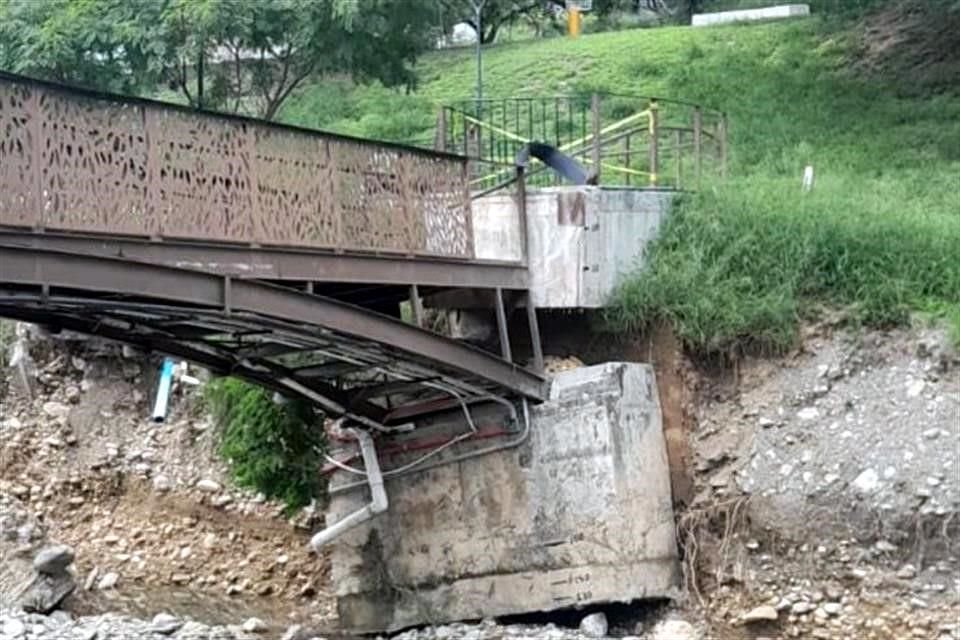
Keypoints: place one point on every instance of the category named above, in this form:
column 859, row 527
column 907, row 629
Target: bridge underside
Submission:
column 344, row 358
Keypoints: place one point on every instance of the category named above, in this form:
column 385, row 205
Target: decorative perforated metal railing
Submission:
column 78, row 161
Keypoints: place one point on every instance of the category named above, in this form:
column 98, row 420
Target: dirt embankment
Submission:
column 148, row 509
column 913, row 44
column 818, row 493
column 828, row 489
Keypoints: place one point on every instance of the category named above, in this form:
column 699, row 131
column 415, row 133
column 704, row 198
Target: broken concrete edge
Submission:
column 580, row 514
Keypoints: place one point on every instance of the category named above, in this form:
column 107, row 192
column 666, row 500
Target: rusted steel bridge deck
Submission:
column 163, row 226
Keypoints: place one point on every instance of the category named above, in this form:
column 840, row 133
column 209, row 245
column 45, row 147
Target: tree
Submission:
column 238, row 55
column 98, row 44
column 494, row 14
column 497, row 14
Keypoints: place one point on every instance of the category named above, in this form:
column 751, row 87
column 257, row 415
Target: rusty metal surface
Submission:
column 274, row 263
column 244, row 326
column 77, row 161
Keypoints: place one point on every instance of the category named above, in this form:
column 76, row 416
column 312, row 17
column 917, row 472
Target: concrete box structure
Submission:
column 580, row 513
column 581, row 240
column 778, row 12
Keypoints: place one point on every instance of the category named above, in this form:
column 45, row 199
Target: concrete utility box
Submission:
column 581, row 240
column 580, row 513
column 778, row 12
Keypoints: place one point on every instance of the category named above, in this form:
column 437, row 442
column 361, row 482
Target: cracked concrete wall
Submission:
column 581, row 239
column 579, row 514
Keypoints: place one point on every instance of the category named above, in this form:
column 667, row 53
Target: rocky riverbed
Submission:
column 826, row 507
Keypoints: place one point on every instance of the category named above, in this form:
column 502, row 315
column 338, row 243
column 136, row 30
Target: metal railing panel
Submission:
column 77, row 161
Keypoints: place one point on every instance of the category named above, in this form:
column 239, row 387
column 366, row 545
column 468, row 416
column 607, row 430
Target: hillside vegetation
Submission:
column 740, row 262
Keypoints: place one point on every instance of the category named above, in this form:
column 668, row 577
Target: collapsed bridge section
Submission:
column 348, row 360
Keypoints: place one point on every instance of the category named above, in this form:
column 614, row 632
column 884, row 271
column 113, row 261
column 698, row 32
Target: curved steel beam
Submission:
column 98, row 280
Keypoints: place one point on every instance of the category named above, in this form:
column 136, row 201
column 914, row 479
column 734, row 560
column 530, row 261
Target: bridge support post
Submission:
column 502, row 328
column 534, row 334
column 597, row 144
column 573, row 509
column 417, row 305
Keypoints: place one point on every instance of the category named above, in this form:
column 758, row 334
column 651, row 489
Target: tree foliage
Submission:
column 272, row 448
column 238, row 55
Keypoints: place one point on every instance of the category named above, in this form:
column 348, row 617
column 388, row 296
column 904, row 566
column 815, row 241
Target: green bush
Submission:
column 274, row 448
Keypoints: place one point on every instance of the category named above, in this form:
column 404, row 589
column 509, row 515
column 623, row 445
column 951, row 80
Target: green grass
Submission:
column 743, row 261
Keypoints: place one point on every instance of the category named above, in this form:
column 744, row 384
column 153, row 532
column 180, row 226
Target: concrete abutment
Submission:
column 578, row 513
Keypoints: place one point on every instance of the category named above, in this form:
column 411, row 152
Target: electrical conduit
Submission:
column 378, row 495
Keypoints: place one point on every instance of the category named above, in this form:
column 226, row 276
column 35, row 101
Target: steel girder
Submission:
column 301, row 344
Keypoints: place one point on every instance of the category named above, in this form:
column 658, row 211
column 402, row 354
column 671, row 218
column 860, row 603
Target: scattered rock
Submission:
column 56, row 409
column 208, row 485
column 594, row 625
column 867, row 482
column 675, row 630
column 162, row 483
column 13, row 628
column 915, row 388
column 907, row 572
column 91, row 579
column 53, row 560
column 761, row 614
column 255, row 625
column 165, row 624
column 801, row 607
column 108, row 581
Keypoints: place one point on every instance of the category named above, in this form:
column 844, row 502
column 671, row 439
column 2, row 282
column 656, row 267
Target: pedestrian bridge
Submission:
column 271, row 252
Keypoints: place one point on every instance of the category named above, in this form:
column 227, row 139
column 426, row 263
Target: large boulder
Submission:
column 34, row 575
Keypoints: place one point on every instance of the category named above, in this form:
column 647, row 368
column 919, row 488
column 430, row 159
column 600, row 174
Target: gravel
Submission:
column 868, row 431
column 16, row 625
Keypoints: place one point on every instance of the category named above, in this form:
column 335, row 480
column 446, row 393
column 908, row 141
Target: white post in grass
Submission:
column 807, row 178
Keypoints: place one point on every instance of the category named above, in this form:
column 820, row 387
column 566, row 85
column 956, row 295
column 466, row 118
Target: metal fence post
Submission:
column 698, row 144
column 417, row 306
column 626, row 145
column 654, row 143
column 679, row 152
column 440, row 137
column 505, row 352
column 595, row 115
column 522, row 212
column 722, row 136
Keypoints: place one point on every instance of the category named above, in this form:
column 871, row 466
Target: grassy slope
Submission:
column 741, row 261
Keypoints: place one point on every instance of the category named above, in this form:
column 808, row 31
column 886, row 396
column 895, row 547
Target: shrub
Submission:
column 274, row 448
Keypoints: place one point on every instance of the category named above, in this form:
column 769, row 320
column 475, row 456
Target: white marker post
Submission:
column 807, row 178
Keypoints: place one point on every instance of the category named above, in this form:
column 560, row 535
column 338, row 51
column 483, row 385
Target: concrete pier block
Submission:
column 580, row 513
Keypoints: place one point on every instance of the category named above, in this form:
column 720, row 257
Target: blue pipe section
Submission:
column 163, row 391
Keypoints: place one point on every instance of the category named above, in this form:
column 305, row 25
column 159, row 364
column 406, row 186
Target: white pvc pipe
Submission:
column 163, row 391
column 378, row 495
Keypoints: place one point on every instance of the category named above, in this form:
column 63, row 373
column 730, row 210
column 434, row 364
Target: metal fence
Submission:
column 78, row 161
column 621, row 140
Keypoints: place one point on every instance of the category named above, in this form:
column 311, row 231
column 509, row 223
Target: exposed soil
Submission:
column 823, row 485
column 151, row 504
column 913, row 44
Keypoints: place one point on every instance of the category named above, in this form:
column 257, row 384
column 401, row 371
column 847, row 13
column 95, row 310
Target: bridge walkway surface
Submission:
column 272, row 252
